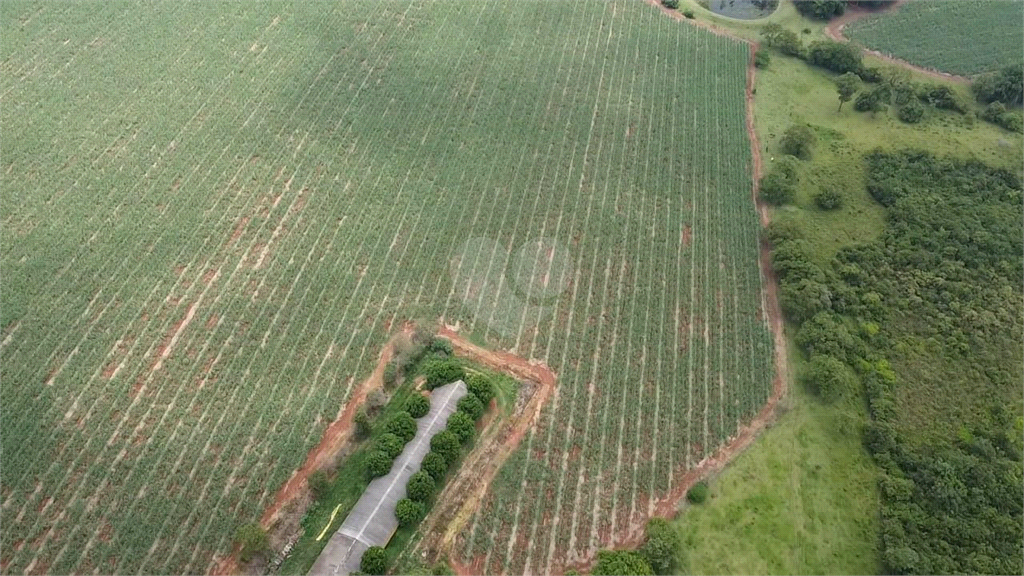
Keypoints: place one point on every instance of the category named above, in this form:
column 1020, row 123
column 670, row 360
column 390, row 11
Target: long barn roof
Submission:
column 372, row 520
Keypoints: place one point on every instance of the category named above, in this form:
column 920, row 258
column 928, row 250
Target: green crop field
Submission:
column 214, row 214
column 962, row 37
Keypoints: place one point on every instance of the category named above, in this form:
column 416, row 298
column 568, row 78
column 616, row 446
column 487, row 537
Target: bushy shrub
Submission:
column 776, row 189
column 762, row 59
column 390, row 376
column 375, row 401
column 417, row 406
column 621, row 563
column 471, row 405
column 838, row 57
column 447, row 445
column 481, row 387
column 440, row 372
column 829, row 377
column 441, row 346
column 435, row 465
column 409, row 512
column 688, row 13
column 941, row 97
column 362, row 422
column 670, row 4
column 798, row 140
column 462, row 426
column 660, row 546
column 871, row 100
column 253, row 539
column 378, row 463
column 390, row 444
column 403, row 426
column 319, row 484
column 911, row 112
column 698, row 494
column 420, row 487
column 374, row 561
column 870, row 74
column 828, row 199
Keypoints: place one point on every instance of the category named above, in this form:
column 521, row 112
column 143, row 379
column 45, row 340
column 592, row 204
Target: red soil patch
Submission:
column 687, row 235
column 835, row 27
column 178, row 270
column 106, row 532
column 212, row 321
column 209, row 276
column 334, row 438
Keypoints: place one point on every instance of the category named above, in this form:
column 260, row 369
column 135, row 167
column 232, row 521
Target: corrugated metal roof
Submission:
column 372, row 520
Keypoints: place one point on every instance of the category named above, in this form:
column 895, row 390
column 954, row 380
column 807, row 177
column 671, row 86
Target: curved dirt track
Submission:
column 835, row 27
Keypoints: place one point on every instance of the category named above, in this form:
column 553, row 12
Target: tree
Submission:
column 420, row 487
column 828, row 377
column 440, row 372
column 660, row 546
column 409, row 512
column 621, row 563
column 462, row 426
column 835, row 56
column 390, row 444
column 698, row 494
column 378, row 463
column 435, row 465
column 362, row 422
column 319, row 484
column 374, row 561
column 481, row 387
column 471, row 405
column 776, row 190
column 798, row 140
column 253, row 539
column 828, row 199
column 804, row 298
column 847, row 85
column 417, row 406
column 403, row 426
column 447, row 445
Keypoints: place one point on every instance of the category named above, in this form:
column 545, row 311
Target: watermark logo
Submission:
column 507, row 290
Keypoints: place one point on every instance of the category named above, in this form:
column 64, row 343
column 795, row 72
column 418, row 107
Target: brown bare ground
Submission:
column 332, row 442
column 835, row 27
column 464, row 493
column 687, row 235
column 167, row 346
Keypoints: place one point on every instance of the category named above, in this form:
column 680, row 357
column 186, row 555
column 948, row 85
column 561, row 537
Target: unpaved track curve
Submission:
column 835, row 27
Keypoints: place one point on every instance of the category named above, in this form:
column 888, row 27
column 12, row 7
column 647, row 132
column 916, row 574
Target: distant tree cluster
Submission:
column 946, row 271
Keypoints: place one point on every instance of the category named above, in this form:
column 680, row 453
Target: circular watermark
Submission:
column 506, row 290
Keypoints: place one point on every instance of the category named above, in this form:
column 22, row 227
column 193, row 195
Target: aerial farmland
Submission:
column 237, row 239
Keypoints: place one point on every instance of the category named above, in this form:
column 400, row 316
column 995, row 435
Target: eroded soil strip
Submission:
column 464, row 493
column 335, row 437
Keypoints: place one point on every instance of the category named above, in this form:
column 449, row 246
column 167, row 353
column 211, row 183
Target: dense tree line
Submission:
column 829, row 9
column 945, row 274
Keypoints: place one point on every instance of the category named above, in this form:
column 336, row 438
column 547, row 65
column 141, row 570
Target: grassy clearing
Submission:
column 802, row 500
column 790, row 92
column 965, row 37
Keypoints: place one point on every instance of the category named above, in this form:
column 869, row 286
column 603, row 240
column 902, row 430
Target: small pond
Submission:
column 742, row 9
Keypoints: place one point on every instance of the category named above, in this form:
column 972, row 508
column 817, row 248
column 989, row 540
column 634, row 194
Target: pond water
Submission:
column 743, row 9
